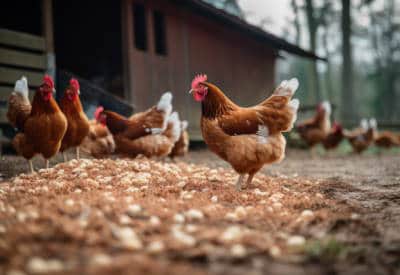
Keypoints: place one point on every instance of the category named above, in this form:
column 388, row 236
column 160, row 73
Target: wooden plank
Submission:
column 9, row 76
column 6, row 91
column 22, row 40
column 18, row 58
column 3, row 116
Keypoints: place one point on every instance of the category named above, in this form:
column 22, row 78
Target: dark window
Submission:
column 160, row 36
column 139, row 25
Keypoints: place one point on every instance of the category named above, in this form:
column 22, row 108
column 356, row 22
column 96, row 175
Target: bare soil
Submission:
column 324, row 215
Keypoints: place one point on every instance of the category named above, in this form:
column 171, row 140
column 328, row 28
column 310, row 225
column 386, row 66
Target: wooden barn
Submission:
column 135, row 50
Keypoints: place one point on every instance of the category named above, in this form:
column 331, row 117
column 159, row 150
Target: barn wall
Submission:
column 240, row 66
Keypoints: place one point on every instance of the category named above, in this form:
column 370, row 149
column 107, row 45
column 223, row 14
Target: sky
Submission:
column 276, row 11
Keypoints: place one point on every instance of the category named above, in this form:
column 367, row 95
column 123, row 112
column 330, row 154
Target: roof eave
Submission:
column 258, row 33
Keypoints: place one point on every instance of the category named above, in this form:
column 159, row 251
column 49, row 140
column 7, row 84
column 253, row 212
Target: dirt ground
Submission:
column 323, row 215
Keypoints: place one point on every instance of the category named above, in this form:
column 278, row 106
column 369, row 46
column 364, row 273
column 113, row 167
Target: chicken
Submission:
column 44, row 128
column 247, row 138
column 19, row 106
column 386, row 139
column 334, row 138
column 361, row 138
column 151, row 133
column 181, row 147
column 153, row 145
column 100, row 142
column 152, row 121
column 78, row 123
column 316, row 129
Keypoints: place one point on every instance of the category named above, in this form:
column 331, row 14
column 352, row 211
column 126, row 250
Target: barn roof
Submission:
column 210, row 11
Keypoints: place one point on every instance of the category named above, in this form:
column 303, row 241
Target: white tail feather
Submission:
column 364, row 124
column 184, row 125
column 21, row 86
column 165, row 106
column 176, row 125
column 262, row 134
column 326, row 105
column 294, row 105
column 373, row 124
column 288, row 87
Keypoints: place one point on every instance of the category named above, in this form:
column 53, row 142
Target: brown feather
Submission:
column 43, row 129
column 230, row 131
column 78, row 123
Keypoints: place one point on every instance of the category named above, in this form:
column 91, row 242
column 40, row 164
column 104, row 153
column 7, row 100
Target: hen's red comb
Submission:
column 198, row 79
column 98, row 111
column 74, row 84
column 48, row 80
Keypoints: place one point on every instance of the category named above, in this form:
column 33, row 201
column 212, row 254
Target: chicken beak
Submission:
column 79, row 92
column 191, row 91
column 54, row 91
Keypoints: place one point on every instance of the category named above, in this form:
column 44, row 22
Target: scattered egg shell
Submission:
column 354, row 216
column 307, row 213
column 238, row 251
column 155, row 221
column 127, row 237
column 41, row 266
column 275, row 251
column 134, row 210
column 69, row 202
column 194, row 214
column 295, row 241
column 179, row 218
column 232, row 233
column 100, row 259
column 156, row 247
column 214, row 199
column 182, row 184
column 124, row 219
column 183, row 237
column 191, row 228
column 2, row 229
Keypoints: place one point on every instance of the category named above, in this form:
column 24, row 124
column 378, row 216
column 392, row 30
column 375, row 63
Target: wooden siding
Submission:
column 20, row 54
column 240, row 66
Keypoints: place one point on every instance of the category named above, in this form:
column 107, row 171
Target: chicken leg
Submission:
column 249, row 179
column 47, row 164
column 65, row 157
column 239, row 182
column 77, row 153
column 31, row 166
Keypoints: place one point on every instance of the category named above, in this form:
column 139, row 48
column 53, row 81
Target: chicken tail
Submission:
column 21, row 87
column 173, row 130
column 19, row 106
column 164, row 106
column 281, row 108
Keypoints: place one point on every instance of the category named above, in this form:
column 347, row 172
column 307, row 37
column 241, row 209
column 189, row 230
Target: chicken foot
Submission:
column 239, row 182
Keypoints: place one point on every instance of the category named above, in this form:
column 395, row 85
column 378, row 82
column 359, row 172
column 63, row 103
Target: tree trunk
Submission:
column 296, row 21
column 347, row 98
column 312, row 28
column 328, row 73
